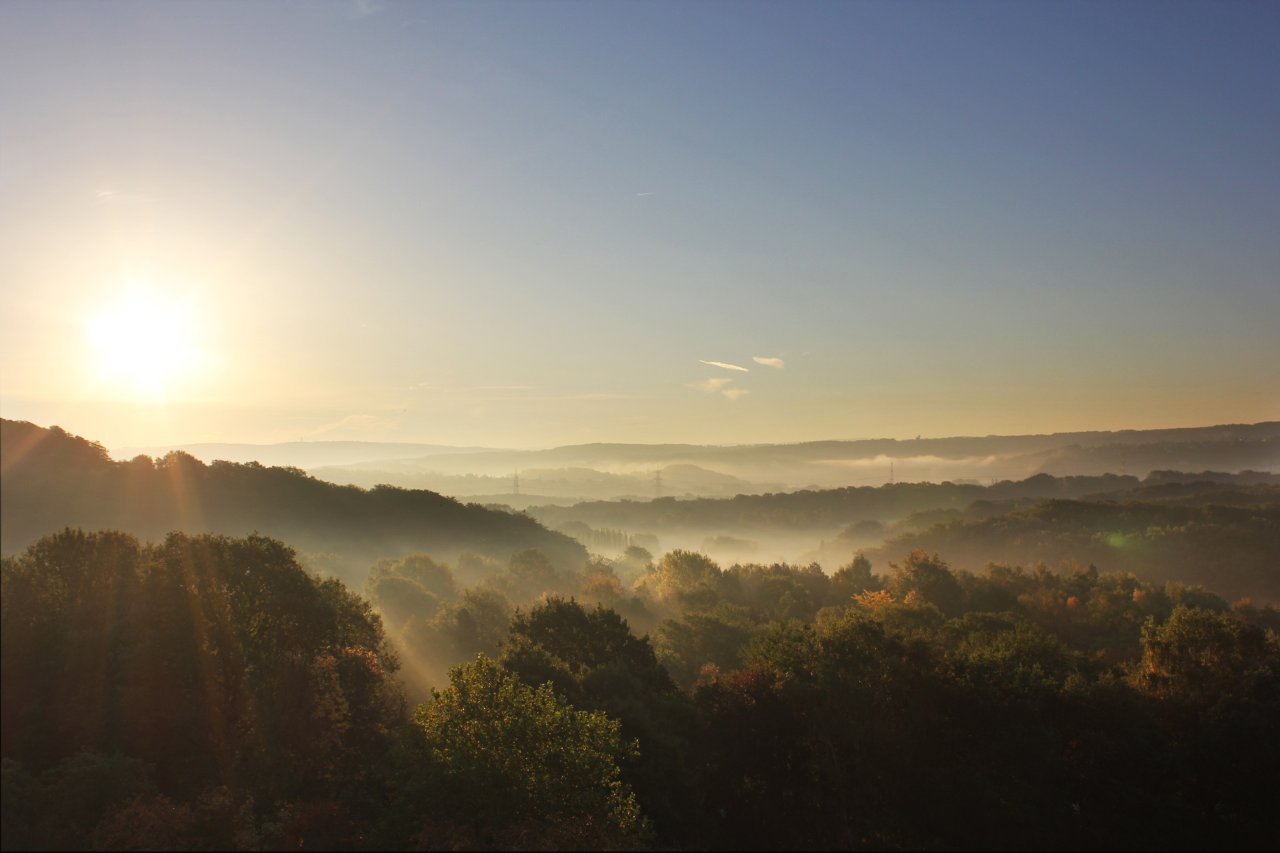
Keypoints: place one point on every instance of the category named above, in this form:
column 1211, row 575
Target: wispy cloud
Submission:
column 768, row 361
column 719, row 385
column 726, row 365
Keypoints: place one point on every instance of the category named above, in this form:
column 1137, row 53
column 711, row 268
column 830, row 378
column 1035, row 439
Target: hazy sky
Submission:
column 533, row 223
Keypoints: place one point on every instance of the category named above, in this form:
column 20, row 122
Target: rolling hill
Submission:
column 50, row 479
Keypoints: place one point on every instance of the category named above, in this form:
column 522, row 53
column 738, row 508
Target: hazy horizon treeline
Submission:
column 637, row 472
column 309, row 454
column 1211, row 528
column 825, row 508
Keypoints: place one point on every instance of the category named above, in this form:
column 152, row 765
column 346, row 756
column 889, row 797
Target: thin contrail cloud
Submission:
column 726, row 365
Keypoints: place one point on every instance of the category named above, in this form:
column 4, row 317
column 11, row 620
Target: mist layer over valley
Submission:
column 812, row 502
column 1164, row 525
column 641, row 471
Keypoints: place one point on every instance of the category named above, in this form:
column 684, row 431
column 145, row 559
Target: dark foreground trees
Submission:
column 200, row 669
column 497, row 763
column 207, row 693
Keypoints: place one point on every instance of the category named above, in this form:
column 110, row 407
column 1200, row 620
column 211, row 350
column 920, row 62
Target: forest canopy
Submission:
column 207, row 692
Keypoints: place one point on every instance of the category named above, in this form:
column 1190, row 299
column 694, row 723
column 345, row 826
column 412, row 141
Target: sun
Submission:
column 144, row 345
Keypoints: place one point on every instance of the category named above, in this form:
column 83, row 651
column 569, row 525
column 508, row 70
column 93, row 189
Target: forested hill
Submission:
column 1235, row 550
column 51, row 479
column 817, row 509
column 820, row 508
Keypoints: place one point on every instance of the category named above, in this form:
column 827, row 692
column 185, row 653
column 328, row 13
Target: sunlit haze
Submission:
column 144, row 346
column 524, row 224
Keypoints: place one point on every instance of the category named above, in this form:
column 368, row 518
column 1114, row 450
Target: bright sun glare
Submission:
column 144, row 345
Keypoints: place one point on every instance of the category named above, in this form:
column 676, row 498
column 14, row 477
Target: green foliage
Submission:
column 593, row 660
column 600, row 582
column 1008, row 723
column 1007, row 656
column 214, row 661
column 778, row 591
column 433, row 577
column 433, row 642
column 507, row 757
column 529, row 575
column 684, row 575
column 1233, row 549
column 410, row 587
column 588, row 641
column 851, row 579
column 400, row 599
column 788, row 649
column 703, row 638
column 1201, row 657
column 927, row 580
column 633, row 563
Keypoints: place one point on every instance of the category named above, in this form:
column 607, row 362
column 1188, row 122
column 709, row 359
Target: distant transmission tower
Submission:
column 657, row 484
column 516, row 477
column 891, row 472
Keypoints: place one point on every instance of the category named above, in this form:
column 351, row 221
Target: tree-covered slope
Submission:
column 1232, row 549
column 816, row 509
column 51, row 479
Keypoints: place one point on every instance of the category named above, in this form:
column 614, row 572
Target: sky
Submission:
column 528, row 224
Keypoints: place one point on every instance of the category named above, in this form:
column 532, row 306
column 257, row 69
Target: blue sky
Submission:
column 528, row 224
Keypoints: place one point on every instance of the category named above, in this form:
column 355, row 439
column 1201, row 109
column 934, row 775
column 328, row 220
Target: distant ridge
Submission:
column 52, row 479
column 838, row 463
column 299, row 454
column 243, row 451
